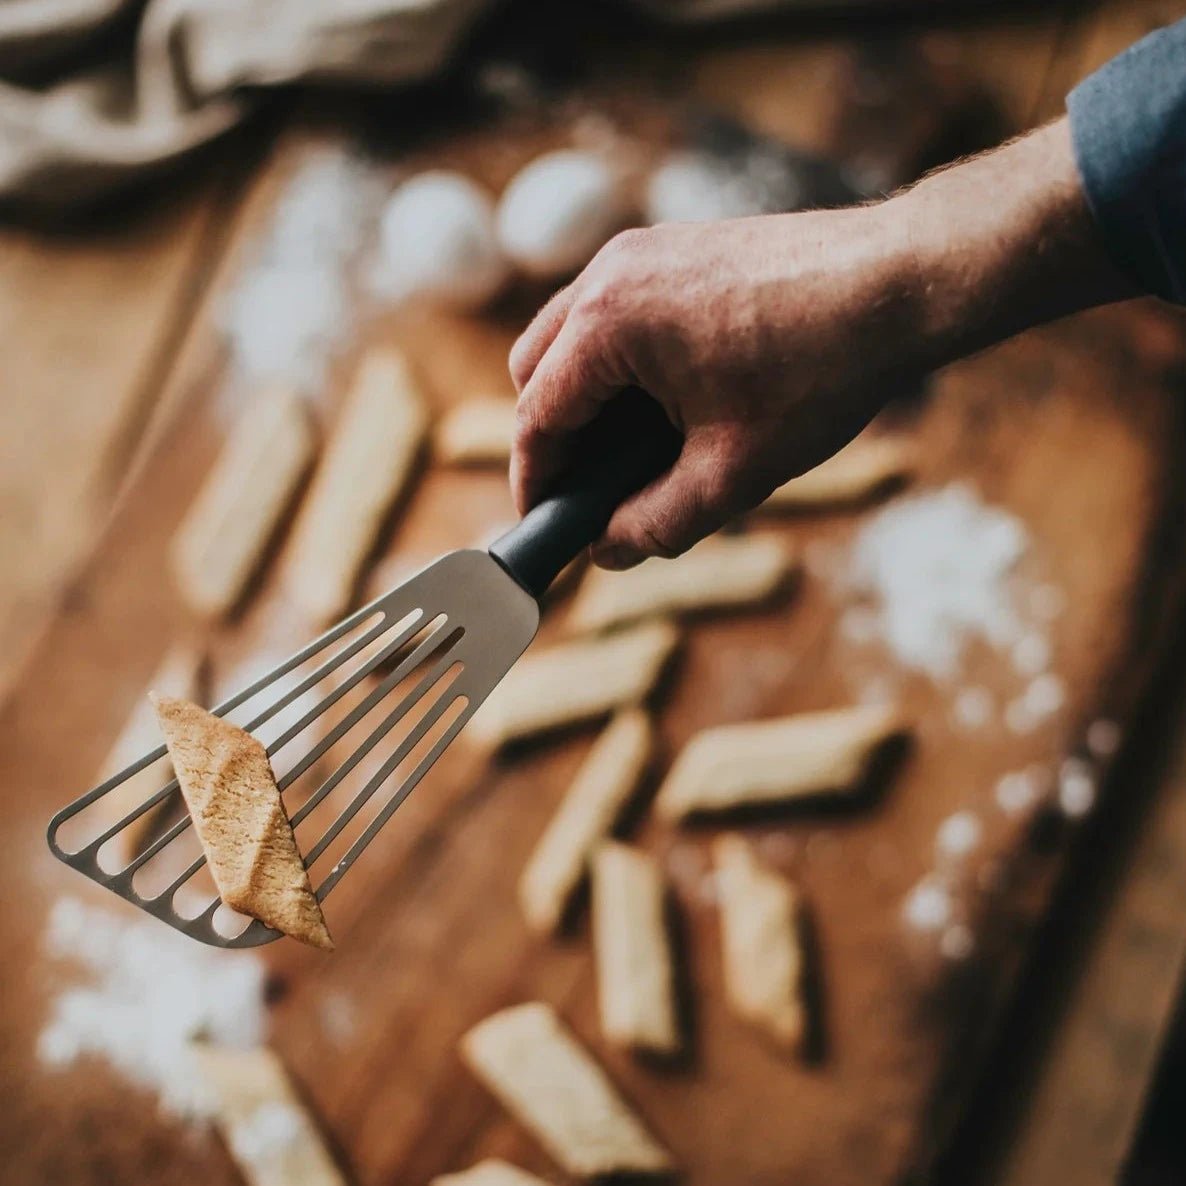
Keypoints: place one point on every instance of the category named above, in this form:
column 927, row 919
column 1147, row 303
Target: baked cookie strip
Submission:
column 723, row 572
column 765, row 763
column 552, row 1086
column 369, row 461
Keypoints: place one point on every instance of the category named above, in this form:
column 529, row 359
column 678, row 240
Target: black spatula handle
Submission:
column 629, row 444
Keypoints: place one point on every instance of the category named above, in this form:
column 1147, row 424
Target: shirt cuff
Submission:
column 1128, row 127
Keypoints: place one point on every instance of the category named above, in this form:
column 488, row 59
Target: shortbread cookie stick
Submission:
column 552, row 1086
column 368, row 463
column 268, row 1131
column 476, row 432
column 574, row 682
column 240, row 820
column 635, row 970
column 722, row 572
column 600, row 792
column 491, row 1172
column 180, row 674
column 858, row 472
column 760, row 763
column 761, row 946
column 226, row 532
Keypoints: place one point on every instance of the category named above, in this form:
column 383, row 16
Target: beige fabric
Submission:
column 172, row 78
column 95, row 94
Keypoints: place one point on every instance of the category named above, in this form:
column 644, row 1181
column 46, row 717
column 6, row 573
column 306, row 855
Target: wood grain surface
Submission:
column 1072, row 429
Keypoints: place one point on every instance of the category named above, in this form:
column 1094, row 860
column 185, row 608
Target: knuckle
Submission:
column 519, row 362
column 618, row 254
column 527, row 425
column 600, row 301
column 716, row 483
column 628, row 242
column 656, row 541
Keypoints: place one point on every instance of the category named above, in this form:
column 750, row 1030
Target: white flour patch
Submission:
column 972, row 708
column 338, row 1020
column 958, row 836
column 266, row 1134
column 1076, row 788
column 936, row 571
column 928, row 906
column 291, row 309
column 1019, row 791
column 1043, row 697
column 148, row 993
column 1031, row 654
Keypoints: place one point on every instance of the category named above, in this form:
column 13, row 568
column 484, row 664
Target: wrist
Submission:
column 1000, row 243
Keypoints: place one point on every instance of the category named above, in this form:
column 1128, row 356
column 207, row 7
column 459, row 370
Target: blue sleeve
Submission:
column 1128, row 126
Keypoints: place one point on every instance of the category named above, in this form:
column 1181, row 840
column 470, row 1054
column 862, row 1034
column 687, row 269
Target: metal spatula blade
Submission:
column 380, row 696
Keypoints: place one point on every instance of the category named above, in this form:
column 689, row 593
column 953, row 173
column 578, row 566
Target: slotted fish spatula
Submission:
column 436, row 646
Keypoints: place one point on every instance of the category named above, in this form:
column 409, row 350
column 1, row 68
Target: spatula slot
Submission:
column 368, row 753
column 402, row 772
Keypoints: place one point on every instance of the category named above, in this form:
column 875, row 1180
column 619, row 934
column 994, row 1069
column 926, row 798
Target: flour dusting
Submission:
column 292, row 306
column 935, row 569
column 148, row 993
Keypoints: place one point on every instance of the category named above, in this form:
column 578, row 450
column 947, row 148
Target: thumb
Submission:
column 667, row 517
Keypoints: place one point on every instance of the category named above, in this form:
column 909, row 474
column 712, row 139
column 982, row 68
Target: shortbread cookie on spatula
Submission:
column 181, row 673
column 239, row 817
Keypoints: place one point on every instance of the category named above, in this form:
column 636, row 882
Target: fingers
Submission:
column 565, row 391
column 690, row 501
column 534, row 341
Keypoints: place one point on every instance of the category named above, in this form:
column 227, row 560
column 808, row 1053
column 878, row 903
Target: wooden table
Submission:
column 91, row 380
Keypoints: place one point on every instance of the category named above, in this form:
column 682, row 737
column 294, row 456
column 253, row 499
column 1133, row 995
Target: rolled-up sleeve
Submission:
column 1128, row 125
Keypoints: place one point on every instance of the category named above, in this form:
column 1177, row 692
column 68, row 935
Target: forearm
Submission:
column 1002, row 242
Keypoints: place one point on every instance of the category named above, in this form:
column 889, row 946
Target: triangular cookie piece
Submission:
column 235, row 804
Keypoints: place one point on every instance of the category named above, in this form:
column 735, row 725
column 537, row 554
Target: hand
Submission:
column 743, row 331
column 771, row 341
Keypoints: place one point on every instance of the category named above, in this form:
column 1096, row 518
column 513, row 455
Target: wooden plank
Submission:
column 1093, row 37
column 1102, row 997
column 1086, row 1105
column 89, row 319
column 1065, row 429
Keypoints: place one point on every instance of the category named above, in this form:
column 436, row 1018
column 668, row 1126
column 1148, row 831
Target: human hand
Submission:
column 771, row 341
column 744, row 331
